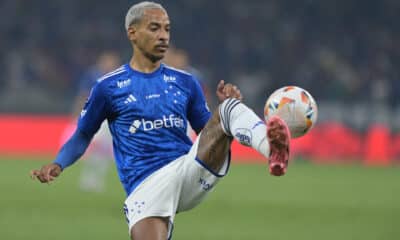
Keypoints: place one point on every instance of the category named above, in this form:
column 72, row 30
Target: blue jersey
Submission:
column 147, row 115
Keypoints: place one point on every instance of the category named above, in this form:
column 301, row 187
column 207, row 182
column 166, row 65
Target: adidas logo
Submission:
column 130, row 99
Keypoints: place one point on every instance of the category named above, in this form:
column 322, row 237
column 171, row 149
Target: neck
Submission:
column 141, row 63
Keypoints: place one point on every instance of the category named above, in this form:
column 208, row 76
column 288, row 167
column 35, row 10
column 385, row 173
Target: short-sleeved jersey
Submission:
column 147, row 115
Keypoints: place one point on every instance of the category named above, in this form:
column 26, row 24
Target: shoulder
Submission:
column 189, row 79
column 177, row 72
column 113, row 78
column 113, row 75
column 106, row 83
column 183, row 77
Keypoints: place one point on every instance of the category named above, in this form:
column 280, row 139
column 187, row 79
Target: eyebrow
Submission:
column 158, row 24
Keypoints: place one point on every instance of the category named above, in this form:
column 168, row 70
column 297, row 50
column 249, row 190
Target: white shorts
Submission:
column 176, row 187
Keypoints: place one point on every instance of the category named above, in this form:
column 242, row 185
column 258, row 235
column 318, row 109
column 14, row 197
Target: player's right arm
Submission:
column 93, row 114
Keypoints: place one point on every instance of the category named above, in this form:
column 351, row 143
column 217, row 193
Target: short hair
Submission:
column 136, row 12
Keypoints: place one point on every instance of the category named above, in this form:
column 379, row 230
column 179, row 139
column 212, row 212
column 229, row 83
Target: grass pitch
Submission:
column 310, row 202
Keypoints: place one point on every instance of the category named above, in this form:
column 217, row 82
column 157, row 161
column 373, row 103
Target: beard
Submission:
column 147, row 54
column 153, row 58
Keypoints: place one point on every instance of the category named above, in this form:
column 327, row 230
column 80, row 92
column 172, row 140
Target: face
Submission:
column 151, row 34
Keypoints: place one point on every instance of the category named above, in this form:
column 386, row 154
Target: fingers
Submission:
column 220, row 85
column 232, row 91
column 34, row 174
column 45, row 174
column 52, row 172
column 220, row 90
column 38, row 175
column 228, row 90
column 55, row 171
column 237, row 94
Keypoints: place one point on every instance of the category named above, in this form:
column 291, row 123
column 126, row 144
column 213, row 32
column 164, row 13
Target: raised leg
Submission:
column 214, row 144
column 152, row 228
column 233, row 119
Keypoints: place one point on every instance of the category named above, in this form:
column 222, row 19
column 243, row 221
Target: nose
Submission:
column 164, row 35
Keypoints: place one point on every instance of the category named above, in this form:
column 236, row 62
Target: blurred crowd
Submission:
column 342, row 51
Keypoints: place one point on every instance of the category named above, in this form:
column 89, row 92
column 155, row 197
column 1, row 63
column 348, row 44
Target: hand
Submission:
column 47, row 173
column 228, row 90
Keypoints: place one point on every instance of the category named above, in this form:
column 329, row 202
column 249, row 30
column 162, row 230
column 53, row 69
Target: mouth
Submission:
column 162, row 47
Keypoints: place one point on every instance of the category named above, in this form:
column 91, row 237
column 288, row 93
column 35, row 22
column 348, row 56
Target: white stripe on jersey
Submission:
column 178, row 70
column 116, row 71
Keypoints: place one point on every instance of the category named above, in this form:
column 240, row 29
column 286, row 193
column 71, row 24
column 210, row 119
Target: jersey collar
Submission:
column 145, row 75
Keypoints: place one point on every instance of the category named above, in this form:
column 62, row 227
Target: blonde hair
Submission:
column 136, row 12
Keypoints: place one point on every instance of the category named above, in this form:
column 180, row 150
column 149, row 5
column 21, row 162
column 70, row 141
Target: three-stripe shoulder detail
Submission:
column 178, row 70
column 113, row 73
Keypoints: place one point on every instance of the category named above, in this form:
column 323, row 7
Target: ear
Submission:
column 131, row 33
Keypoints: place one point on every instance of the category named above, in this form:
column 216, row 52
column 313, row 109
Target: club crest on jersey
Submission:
column 169, row 78
column 124, row 83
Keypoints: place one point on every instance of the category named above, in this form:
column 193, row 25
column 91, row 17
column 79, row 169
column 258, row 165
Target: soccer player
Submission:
column 147, row 105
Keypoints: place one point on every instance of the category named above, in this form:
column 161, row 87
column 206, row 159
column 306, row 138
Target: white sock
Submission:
column 244, row 125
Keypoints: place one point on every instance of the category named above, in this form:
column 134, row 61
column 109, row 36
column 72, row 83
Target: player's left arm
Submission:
column 93, row 114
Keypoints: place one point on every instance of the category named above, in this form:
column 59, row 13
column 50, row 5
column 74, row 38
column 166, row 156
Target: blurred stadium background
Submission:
column 344, row 180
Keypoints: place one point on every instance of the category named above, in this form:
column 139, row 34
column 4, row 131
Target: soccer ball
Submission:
column 295, row 106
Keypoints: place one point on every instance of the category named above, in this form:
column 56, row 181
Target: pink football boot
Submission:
column 279, row 141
